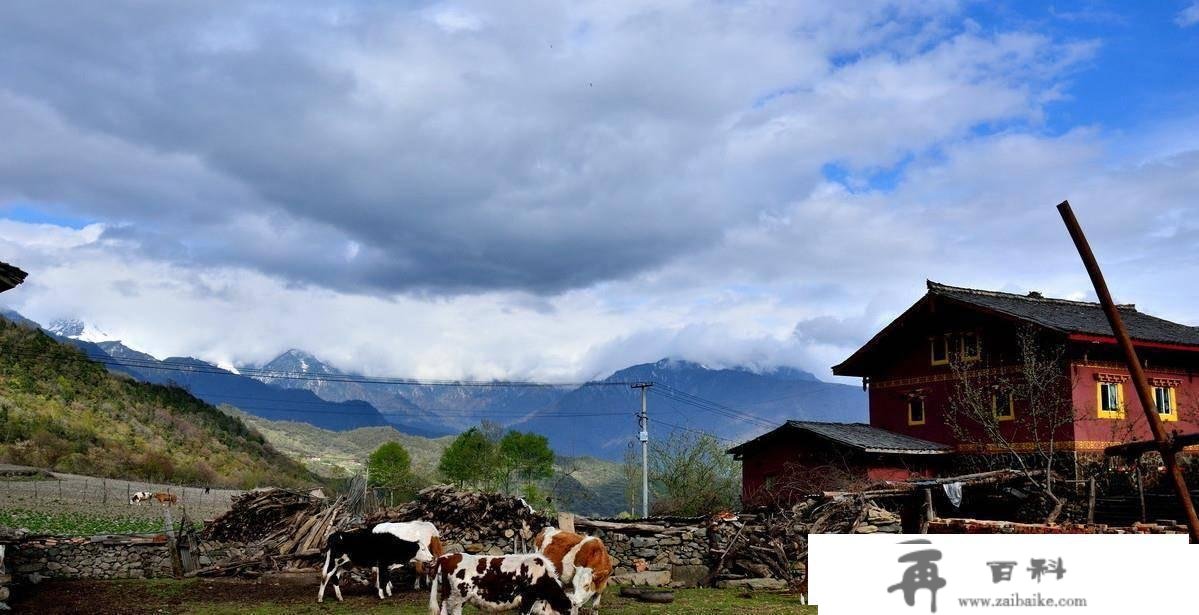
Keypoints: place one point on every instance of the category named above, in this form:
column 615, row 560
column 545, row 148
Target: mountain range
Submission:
column 61, row 411
column 594, row 418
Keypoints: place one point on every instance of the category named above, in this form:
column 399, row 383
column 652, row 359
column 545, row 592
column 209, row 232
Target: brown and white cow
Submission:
column 582, row 562
column 494, row 583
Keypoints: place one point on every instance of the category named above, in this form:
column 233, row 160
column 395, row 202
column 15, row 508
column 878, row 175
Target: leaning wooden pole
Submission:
column 1165, row 442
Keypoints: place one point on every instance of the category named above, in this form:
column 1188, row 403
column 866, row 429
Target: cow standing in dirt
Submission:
column 527, row 582
column 582, row 562
column 361, row 547
column 423, row 533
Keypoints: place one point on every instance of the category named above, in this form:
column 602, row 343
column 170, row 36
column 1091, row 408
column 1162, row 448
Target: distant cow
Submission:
column 140, row 496
column 582, row 562
column 424, row 534
column 361, row 547
column 165, row 499
column 498, row 583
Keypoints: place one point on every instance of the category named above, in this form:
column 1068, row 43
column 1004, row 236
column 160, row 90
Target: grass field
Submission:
column 72, row 505
column 273, row 597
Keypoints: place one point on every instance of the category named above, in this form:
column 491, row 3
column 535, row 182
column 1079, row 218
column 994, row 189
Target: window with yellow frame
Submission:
column 916, row 411
column 1003, row 407
column 939, row 349
column 1110, row 400
column 1165, row 400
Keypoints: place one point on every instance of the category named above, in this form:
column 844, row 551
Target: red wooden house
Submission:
column 907, row 367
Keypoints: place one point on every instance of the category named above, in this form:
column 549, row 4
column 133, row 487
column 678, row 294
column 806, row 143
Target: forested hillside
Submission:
column 62, row 411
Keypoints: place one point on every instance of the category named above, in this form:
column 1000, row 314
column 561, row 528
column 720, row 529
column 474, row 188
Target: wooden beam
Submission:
column 1139, row 381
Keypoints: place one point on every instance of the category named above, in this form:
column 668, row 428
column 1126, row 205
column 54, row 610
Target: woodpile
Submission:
column 285, row 528
column 774, row 545
column 468, row 518
column 288, row 529
column 257, row 514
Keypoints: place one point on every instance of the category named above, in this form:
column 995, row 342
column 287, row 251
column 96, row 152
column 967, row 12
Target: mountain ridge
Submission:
column 597, row 418
column 61, row 410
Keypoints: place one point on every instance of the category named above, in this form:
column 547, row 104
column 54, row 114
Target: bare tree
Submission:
column 1012, row 414
column 692, row 475
column 799, row 480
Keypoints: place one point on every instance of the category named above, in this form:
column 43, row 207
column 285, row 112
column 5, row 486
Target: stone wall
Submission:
column 678, row 554
column 104, row 557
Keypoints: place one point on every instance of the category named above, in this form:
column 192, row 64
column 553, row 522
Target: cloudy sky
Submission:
column 550, row 190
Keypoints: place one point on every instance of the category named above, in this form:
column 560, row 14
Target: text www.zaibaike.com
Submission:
column 1016, row 600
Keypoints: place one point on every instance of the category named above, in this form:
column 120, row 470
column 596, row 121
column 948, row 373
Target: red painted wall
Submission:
column 901, row 366
column 795, row 450
column 1089, row 428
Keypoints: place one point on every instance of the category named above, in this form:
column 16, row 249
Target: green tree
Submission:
column 525, row 457
column 390, row 466
column 469, row 459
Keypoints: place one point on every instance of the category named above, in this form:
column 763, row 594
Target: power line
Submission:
column 712, row 407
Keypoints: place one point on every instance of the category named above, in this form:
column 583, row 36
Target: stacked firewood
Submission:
column 283, row 529
column 469, row 518
column 289, row 529
column 305, row 532
column 258, row 514
column 774, row 545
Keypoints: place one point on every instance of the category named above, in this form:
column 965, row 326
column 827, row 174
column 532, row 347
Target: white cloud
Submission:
column 557, row 191
column 1189, row 16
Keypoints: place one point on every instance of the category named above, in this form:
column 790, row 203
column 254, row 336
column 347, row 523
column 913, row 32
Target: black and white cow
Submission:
column 498, row 583
column 361, row 547
column 423, row 533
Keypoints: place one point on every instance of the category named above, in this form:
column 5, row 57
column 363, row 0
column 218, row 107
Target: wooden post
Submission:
column 1165, row 442
column 1141, row 493
column 104, row 483
column 168, row 528
column 928, row 513
column 566, row 522
column 1091, row 503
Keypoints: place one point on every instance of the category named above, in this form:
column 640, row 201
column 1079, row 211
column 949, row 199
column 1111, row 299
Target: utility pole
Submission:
column 643, row 435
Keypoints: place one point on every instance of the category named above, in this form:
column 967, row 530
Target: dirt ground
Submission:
column 271, row 596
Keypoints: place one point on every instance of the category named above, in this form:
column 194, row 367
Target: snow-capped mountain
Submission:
column 595, row 419
column 213, row 384
column 79, row 330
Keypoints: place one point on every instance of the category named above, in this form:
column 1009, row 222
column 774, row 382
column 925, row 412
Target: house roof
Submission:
column 860, row 436
column 1061, row 315
column 1070, row 316
column 10, row 276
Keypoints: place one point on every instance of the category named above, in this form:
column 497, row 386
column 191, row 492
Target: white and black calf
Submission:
column 421, row 532
column 498, row 583
column 379, row 552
